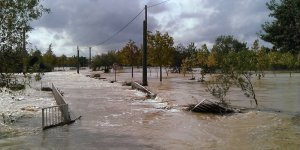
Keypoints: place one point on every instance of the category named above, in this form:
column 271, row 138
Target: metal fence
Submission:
column 57, row 96
column 55, row 116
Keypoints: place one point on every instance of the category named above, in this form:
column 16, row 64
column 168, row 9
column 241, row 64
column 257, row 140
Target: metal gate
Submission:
column 55, row 116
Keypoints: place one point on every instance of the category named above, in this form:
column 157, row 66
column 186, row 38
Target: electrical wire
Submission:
column 115, row 34
column 112, row 36
column 158, row 4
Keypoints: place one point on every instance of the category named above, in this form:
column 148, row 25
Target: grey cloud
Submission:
column 241, row 18
column 89, row 22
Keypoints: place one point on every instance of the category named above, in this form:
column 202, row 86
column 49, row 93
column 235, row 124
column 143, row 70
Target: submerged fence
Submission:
column 57, row 96
column 56, row 115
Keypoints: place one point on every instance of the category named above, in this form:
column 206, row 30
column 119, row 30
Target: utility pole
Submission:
column 145, row 82
column 78, row 64
column 90, row 59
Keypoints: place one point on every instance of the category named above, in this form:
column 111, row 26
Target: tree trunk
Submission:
column 160, row 74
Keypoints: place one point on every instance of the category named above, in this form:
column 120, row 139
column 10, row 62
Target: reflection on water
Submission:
column 116, row 117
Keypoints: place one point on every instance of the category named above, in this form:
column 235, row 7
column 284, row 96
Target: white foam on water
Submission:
column 15, row 105
column 173, row 110
column 139, row 93
column 106, row 123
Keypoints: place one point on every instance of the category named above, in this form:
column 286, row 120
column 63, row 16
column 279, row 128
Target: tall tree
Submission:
column 202, row 58
column 262, row 61
column 49, row 58
column 298, row 60
column 274, row 60
column 187, row 65
column 289, row 61
column 160, row 50
column 15, row 16
column 225, row 44
column 191, row 49
column 235, row 63
column 211, row 61
column 180, row 54
column 284, row 31
column 130, row 55
column 105, row 60
column 62, row 61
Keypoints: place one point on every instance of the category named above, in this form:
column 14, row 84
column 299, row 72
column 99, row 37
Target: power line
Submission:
column 115, row 34
column 112, row 36
column 158, row 4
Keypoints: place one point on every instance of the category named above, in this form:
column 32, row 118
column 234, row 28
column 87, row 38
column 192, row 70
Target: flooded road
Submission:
column 116, row 117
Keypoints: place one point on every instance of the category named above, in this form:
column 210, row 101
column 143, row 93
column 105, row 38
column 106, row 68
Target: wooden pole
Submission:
column 90, row 59
column 78, row 64
column 145, row 82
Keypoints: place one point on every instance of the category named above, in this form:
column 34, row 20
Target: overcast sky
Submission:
column 89, row 22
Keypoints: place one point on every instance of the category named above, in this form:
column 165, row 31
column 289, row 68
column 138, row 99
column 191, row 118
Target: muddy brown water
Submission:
column 116, row 117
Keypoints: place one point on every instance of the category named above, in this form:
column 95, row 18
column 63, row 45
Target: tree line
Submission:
column 225, row 53
column 47, row 61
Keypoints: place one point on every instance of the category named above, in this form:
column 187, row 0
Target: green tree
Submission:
column 262, row 61
column 36, row 61
column 105, row 60
column 298, row 60
column 188, row 64
column 72, row 61
column 161, row 50
column 83, row 61
column 179, row 55
column 274, row 60
column 130, row 55
column 15, row 16
column 289, row 60
column 211, row 61
column 284, row 30
column 49, row 59
column 225, row 44
column 191, row 49
column 62, row 61
column 235, row 63
column 202, row 60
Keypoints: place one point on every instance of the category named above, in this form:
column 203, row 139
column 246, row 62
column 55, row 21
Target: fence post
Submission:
column 66, row 113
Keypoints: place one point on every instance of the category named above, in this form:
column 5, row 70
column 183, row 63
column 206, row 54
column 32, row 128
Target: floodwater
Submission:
column 116, row 117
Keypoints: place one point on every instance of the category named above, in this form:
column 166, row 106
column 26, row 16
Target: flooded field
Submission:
column 116, row 117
